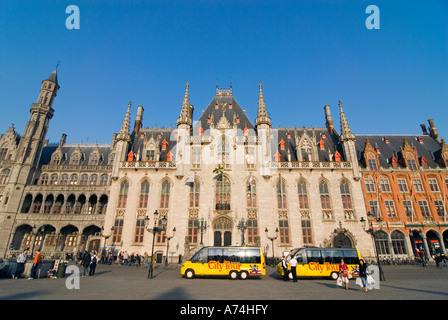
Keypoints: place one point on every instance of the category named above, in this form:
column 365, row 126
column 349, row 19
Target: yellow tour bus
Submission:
column 232, row 262
column 322, row 262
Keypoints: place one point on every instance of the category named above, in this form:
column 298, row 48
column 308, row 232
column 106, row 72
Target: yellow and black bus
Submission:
column 322, row 262
column 232, row 262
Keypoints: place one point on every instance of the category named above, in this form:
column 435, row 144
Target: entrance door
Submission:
column 223, row 233
column 217, row 242
column 342, row 241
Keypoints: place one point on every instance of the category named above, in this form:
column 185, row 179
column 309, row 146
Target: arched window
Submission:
column 223, row 151
column 281, row 194
column 64, row 179
column 74, row 179
column 93, row 180
column 44, row 180
column 303, row 195
column 251, row 193
column 103, row 179
column 306, row 151
column 144, row 194
column 194, row 194
column 345, row 195
column 324, row 195
column 398, row 242
column 222, row 194
column 123, row 196
column 165, row 195
column 84, row 180
column 94, row 160
column 54, row 179
column 382, row 242
column 74, row 160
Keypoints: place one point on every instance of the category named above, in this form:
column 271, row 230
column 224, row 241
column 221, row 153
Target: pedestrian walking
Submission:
column 363, row 273
column 438, row 259
column 86, row 262
column 93, row 263
column 21, row 260
column 344, row 273
column 36, row 263
column 285, row 266
column 293, row 264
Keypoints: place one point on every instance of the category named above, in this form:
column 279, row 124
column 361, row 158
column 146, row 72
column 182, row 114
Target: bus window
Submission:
column 351, row 257
column 215, row 254
column 230, row 254
column 299, row 257
column 332, row 256
column 200, row 256
column 251, row 256
column 313, row 255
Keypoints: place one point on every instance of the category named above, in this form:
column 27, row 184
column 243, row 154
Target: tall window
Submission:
column 252, row 231
column 306, row 151
column 345, row 195
column 194, row 194
column 139, row 231
column 390, row 208
column 402, row 186
column 373, row 204
column 382, row 242
column 43, row 180
column 281, row 194
column 193, row 231
column 284, row 231
column 223, row 151
column 165, row 195
column 303, row 195
column 412, row 165
column 370, row 185
column 306, row 232
column 84, row 179
column 398, row 242
column 324, row 195
column 424, row 208
column 251, row 193
column 196, row 155
column 54, row 179
column 418, row 186
column 64, row 179
column 372, row 165
column 407, row 204
column 123, row 196
column 222, row 194
column 384, row 182
column 118, row 230
column 144, row 194
column 433, row 185
column 161, row 235
column 439, row 208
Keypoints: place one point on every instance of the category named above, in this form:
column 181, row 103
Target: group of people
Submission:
column 89, row 262
column 21, row 261
column 344, row 272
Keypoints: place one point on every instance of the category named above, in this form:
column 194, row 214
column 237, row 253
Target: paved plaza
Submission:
column 113, row 282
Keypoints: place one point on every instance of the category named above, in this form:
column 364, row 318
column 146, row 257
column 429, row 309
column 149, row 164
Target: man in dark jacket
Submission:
column 86, row 262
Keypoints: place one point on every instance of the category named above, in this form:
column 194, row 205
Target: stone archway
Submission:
column 222, row 231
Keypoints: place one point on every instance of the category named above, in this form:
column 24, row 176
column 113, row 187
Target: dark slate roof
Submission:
column 53, row 77
column 293, row 135
column 428, row 147
column 227, row 107
column 86, row 150
column 159, row 135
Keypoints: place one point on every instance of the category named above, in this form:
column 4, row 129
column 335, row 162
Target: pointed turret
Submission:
column 262, row 114
column 124, row 132
column 346, row 133
column 186, row 113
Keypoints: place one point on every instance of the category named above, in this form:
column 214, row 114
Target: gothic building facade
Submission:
column 219, row 180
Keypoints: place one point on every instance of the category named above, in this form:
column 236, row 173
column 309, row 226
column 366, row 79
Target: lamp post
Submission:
column 168, row 245
column 272, row 240
column 242, row 226
column 202, row 227
column 372, row 234
column 154, row 230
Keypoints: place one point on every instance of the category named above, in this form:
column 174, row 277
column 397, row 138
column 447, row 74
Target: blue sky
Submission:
column 306, row 53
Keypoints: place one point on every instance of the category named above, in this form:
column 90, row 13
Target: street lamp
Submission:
column 202, row 227
column 242, row 226
column 168, row 245
column 272, row 240
column 372, row 234
column 154, row 230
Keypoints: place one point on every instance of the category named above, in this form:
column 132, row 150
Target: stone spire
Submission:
column 186, row 111
column 124, row 132
column 346, row 133
column 262, row 114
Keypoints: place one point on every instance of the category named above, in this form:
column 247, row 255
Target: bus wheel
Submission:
column 189, row 274
column 244, row 275
column 233, row 275
column 334, row 275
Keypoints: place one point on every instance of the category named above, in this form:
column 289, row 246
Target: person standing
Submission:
column 285, row 269
column 21, row 260
column 293, row 264
column 93, row 263
column 36, row 263
column 363, row 273
column 344, row 273
column 86, row 262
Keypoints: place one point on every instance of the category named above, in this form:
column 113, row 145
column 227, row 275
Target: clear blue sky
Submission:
column 306, row 53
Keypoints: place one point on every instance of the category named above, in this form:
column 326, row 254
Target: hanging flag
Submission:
column 190, row 179
column 218, row 170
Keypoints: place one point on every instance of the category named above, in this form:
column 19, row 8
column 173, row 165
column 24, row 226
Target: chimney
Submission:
column 432, row 129
column 328, row 120
column 424, row 128
column 62, row 141
column 138, row 119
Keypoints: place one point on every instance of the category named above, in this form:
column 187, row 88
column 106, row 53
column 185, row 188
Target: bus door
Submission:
column 301, row 262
